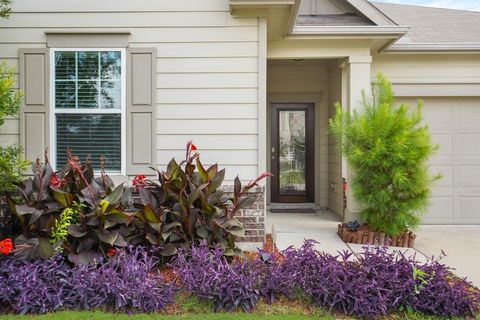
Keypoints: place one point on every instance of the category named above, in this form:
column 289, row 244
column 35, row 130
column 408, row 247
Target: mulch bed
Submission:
column 364, row 235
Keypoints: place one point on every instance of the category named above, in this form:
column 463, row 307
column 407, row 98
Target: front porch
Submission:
column 306, row 161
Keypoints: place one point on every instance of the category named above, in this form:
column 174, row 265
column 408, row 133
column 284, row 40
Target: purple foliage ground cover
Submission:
column 209, row 276
column 371, row 285
column 127, row 282
column 375, row 284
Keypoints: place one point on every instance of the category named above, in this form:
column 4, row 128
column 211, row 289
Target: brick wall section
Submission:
column 253, row 218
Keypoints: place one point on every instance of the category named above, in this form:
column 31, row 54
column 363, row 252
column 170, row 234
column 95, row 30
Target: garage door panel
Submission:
column 467, row 144
column 469, row 176
column 447, row 175
column 439, row 116
column 468, row 112
column 445, row 142
column 469, row 208
column 455, row 125
column 441, row 210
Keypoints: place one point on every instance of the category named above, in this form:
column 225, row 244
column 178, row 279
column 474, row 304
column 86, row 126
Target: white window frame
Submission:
column 122, row 111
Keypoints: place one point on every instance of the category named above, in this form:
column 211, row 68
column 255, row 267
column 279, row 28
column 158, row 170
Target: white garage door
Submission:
column 455, row 126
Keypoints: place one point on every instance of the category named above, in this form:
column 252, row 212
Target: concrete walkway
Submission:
column 460, row 243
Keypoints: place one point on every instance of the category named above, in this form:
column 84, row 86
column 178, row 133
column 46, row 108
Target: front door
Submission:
column 292, row 152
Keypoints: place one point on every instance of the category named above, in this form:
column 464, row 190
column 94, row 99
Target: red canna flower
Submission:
column 139, row 181
column 193, row 147
column 6, row 246
column 111, row 252
column 57, row 182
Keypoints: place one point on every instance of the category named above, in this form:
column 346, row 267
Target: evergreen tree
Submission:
column 387, row 147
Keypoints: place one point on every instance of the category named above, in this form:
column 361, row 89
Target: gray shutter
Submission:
column 141, row 97
column 34, row 114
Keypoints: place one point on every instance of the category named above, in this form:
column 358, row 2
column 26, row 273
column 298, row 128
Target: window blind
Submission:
column 91, row 135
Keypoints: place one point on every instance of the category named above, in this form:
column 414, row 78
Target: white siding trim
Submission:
column 262, row 96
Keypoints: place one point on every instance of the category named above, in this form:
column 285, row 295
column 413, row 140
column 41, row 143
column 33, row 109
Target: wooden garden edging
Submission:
column 366, row 236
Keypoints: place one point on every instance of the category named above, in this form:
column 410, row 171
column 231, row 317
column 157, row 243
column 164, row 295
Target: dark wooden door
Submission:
column 292, row 152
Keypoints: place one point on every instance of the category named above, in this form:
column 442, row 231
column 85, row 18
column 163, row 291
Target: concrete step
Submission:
column 293, row 206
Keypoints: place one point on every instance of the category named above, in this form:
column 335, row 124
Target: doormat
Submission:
column 293, row 210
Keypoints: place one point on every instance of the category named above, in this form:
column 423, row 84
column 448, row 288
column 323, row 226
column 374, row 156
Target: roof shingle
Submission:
column 434, row 25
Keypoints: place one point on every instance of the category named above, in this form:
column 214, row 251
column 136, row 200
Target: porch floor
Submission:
column 293, row 228
column 460, row 243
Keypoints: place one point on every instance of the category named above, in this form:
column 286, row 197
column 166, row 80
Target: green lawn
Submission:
column 104, row 316
column 191, row 308
column 77, row 315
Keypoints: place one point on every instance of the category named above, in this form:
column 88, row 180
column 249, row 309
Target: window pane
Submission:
column 292, row 152
column 65, row 65
column 110, row 65
column 65, row 94
column 88, row 64
column 90, row 134
column 110, row 95
column 87, row 94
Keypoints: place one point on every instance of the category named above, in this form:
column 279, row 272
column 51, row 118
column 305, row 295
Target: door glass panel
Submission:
column 292, row 152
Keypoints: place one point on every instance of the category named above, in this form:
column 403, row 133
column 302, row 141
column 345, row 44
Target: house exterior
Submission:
column 252, row 82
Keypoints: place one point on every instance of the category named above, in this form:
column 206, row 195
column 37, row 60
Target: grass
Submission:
column 191, row 308
column 291, row 315
column 77, row 315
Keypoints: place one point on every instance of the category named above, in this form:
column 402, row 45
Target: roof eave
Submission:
column 433, row 47
column 278, row 12
column 350, row 31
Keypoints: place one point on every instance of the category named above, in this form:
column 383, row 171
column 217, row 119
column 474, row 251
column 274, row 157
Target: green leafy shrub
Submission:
column 69, row 216
column 5, row 9
column 387, row 147
column 12, row 164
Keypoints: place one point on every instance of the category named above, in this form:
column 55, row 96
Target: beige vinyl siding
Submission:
column 207, row 68
column 10, row 132
column 428, row 68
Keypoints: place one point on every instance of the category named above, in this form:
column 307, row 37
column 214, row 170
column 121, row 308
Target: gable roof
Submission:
column 434, row 28
column 345, row 19
column 341, row 13
column 330, row 13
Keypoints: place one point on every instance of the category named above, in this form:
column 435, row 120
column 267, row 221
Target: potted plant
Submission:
column 387, row 145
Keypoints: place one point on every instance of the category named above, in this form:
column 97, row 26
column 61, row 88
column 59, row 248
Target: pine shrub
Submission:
column 387, row 146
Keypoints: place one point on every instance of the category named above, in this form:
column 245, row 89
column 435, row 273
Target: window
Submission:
column 88, row 114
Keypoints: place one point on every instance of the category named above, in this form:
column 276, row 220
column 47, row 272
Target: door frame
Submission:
column 309, row 109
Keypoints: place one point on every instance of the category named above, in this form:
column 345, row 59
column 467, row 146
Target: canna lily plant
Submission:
column 189, row 206
column 100, row 211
